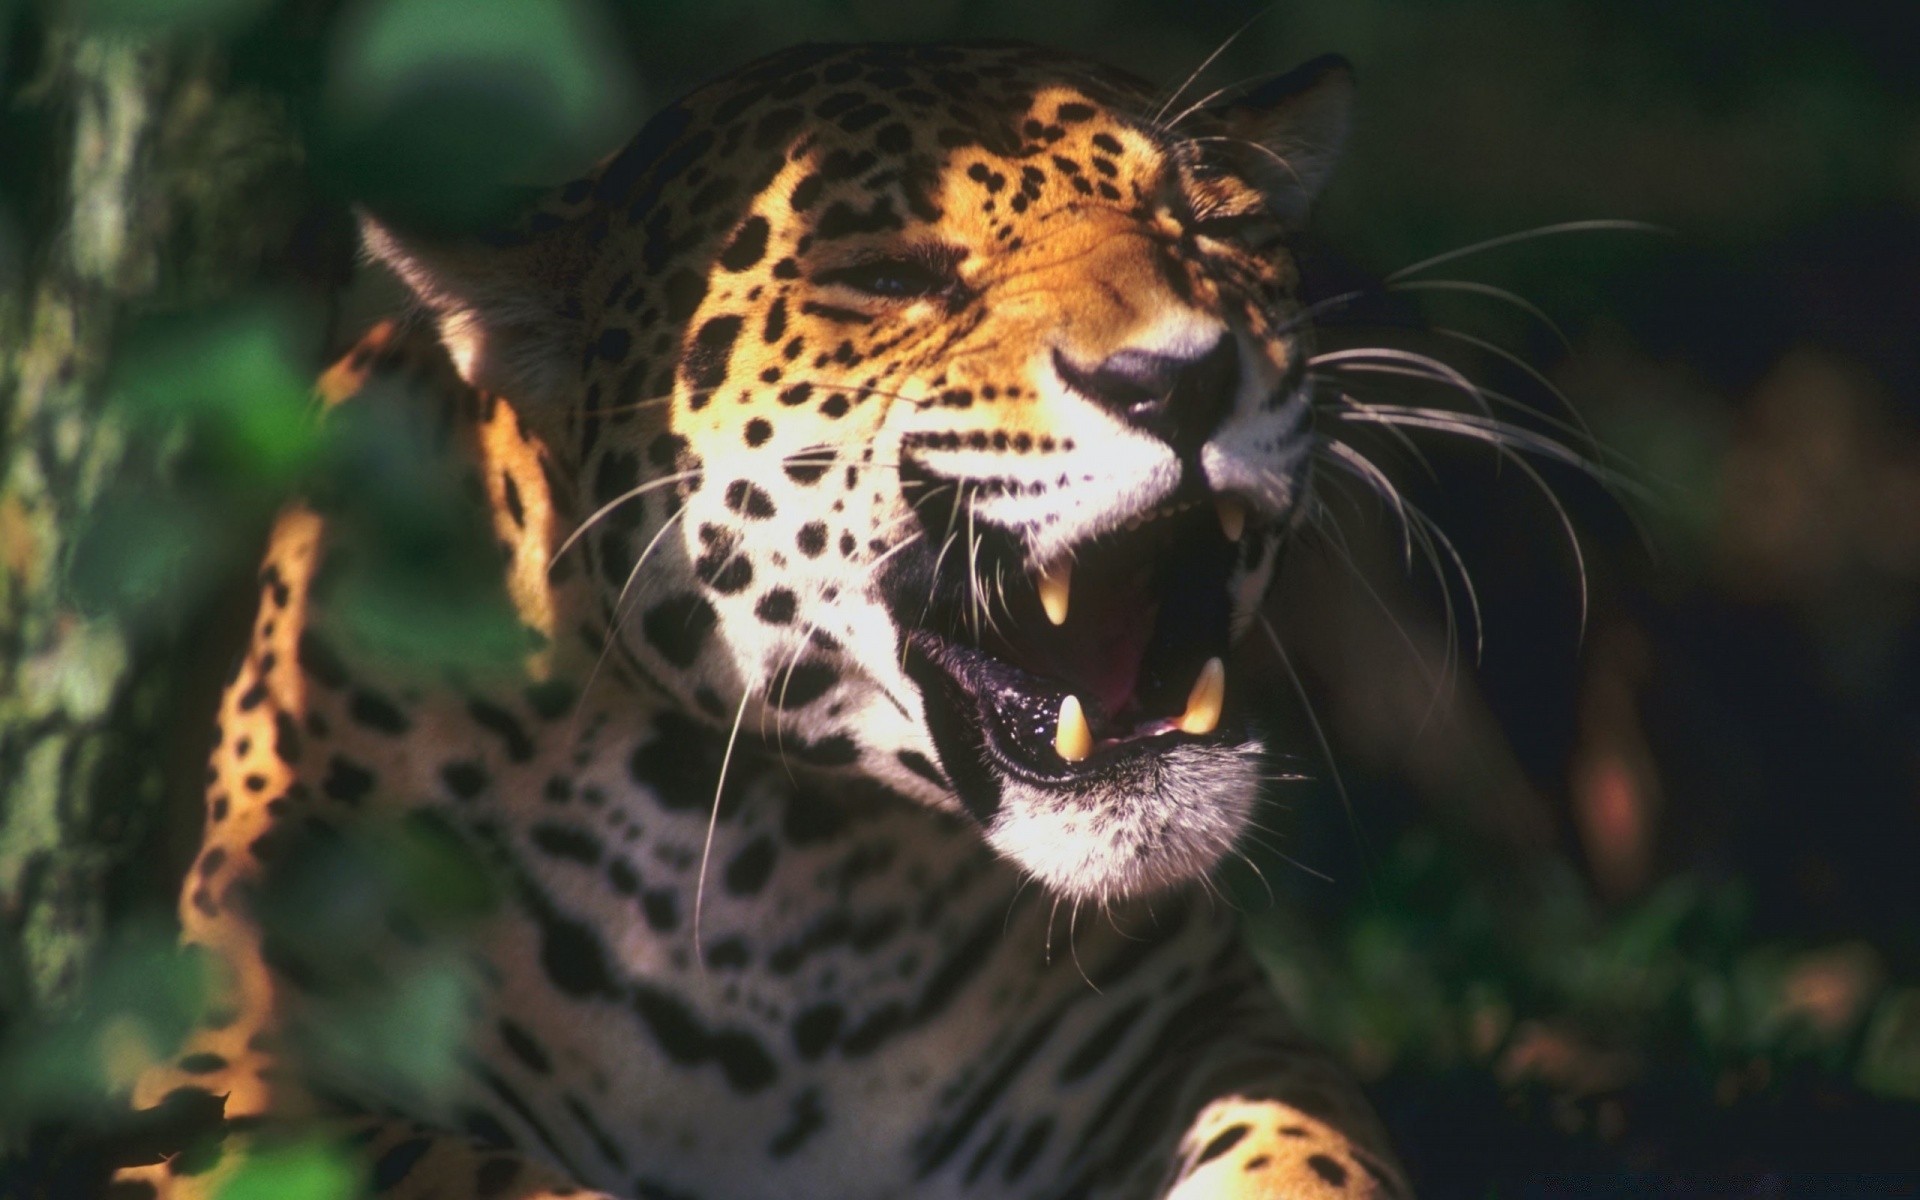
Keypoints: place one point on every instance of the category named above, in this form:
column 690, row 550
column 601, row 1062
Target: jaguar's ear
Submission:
column 508, row 305
column 1286, row 133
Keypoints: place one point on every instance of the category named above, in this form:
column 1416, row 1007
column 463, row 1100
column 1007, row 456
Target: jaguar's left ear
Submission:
column 1285, row 133
column 507, row 305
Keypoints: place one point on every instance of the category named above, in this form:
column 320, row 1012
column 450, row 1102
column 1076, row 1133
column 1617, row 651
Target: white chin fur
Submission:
column 1166, row 823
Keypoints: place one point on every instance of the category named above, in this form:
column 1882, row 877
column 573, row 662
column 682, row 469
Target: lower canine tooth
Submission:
column 1055, row 585
column 1204, row 702
column 1073, row 739
column 1233, row 517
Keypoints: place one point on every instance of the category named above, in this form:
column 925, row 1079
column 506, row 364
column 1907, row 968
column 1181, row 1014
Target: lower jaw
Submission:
column 1167, row 822
column 1137, row 817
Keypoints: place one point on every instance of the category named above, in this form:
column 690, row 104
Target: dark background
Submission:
column 1629, row 908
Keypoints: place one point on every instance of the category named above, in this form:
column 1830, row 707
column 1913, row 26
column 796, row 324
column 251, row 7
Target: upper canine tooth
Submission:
column 1054, row 585
column 1204, row 702
column 1233, row 516
column 1073, row 738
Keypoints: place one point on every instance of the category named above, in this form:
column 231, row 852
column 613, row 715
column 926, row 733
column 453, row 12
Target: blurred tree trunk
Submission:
column 139, row 183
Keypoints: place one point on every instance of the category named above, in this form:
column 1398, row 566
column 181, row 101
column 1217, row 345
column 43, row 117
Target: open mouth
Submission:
column 1076, row 675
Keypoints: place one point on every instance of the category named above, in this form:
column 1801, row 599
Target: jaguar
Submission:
column 886, row 451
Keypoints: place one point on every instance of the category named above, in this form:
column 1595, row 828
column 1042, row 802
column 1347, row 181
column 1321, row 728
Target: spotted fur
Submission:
column 794, row 391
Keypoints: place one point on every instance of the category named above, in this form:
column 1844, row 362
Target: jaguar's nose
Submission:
column 1180, row 399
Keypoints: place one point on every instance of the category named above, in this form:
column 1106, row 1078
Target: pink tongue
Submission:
column 1098, row 653
column 1108, row 666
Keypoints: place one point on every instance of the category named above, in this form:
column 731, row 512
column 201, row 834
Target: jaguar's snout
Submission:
column 1180, row 398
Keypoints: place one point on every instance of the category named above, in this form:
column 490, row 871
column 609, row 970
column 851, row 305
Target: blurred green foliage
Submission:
column 401, row 1021
column 420, row 575
column 333, row 897
column 177, row 17
column 230, row 388
column 305, row 1171
column 236, row 377
column 141, row 998
column 442, row 112
column 423, row 581
column 1451, row 966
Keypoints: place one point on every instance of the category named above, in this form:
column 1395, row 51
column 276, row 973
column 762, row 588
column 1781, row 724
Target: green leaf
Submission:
column 304, row 1171
column 236, row 373
column 148, row 553
column 440, row 113
column 142, row 996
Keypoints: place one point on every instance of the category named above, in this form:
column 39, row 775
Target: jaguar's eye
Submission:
column 1253, row 229
column 891, row 278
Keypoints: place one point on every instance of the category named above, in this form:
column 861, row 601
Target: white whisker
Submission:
column 617, row 617
column 1506, row 439
column 601, row 512
column 1359, row 465
column 713, row 821
column 1508, row 239
column 1579, row 425
column 1370, row 358
column 1489, row 290
column 1319, row 733
column 1158, row 120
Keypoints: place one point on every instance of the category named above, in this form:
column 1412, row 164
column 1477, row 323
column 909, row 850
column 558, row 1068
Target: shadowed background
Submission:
column 1625, row 907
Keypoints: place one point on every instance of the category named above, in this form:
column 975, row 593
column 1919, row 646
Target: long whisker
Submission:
column 1279, row 159
column 1416, row 527
column 651, row 485
column 1429, row 532
column 1536, row 374
column 1000, row 588
column 617, row 617
column 1439, row 536
column 1073, row 944
column 1493, row 431
column 1487, row 289
column 1211, row 890
column 1173, row 123
column 1617, row 480
column 1261, row 838
column 1013, row 901
column 1504, row 438
column 1437, row 686
column 1158, row 119
column 786, row 681
column 1320, row 735
column 602, row 512
column 713, row 820
column 1400, row 437
column 1525, row 235
column 1310, row 312
column 1272, row 900
column 1368, row 358
column 785, row 674
column 1358, row 464
column 933, row 578
column 976, row 604
column 826, row 385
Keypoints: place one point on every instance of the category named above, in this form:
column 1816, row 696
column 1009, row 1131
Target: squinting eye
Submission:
column 1247, row 228
column 890, row 278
